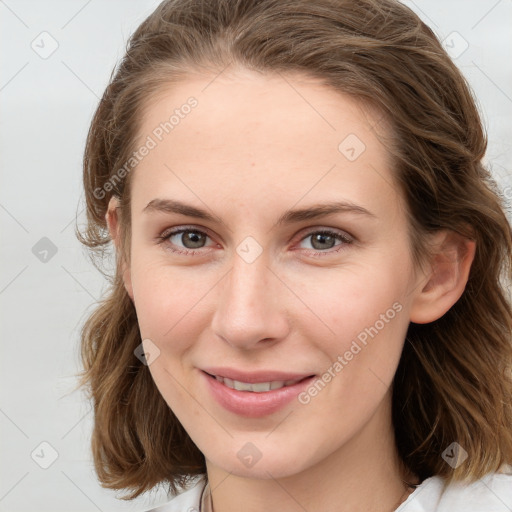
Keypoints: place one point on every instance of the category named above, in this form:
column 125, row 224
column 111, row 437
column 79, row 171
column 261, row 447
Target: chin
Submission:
column 260, row 460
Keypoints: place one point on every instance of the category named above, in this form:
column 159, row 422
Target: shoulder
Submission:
column 186, row 501
column 492, row 493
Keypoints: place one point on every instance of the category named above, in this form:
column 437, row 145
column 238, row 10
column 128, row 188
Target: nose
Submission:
column 251, row 310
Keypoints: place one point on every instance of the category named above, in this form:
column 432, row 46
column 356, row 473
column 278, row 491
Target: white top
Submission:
column 493, row 493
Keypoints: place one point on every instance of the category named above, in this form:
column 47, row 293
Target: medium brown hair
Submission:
column 453, row 382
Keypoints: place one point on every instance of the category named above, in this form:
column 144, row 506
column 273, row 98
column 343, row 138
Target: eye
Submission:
column 190, row 238
column 325, row 239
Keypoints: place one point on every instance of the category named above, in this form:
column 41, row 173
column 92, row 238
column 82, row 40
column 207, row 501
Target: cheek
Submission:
column 344, row 304
column 331, row 307
column 170, row 302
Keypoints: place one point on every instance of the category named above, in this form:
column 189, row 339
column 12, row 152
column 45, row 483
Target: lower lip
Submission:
column 251, row 404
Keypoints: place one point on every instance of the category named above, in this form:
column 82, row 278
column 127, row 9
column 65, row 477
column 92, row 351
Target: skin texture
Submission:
column 253, row 148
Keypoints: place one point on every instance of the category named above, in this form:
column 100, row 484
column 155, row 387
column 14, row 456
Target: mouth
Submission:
column 257, row 387
column 254, row 395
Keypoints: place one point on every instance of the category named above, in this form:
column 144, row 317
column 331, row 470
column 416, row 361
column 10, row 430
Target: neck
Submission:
column 363, row 475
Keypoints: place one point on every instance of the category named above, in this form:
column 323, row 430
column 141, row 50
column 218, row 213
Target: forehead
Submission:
column 249, row 131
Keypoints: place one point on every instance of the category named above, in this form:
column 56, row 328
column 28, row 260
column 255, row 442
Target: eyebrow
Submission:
column 288, row 217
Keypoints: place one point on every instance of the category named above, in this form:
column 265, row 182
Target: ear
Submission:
column 443, row 285
column 113, row 227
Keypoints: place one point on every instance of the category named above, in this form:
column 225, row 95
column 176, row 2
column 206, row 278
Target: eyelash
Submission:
column 166, row 235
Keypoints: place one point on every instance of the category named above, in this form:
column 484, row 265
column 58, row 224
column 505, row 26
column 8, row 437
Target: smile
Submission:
column 254, row 395
column 255, row 387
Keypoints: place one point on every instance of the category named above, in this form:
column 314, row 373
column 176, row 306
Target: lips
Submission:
column 255, row 377
column 255, row 387
column 254, row 394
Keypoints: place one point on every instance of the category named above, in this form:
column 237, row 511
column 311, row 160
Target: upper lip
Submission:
column 255, row 376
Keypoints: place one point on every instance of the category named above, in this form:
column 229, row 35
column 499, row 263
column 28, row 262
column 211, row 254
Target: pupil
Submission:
column 320, row 237
column 194, row 238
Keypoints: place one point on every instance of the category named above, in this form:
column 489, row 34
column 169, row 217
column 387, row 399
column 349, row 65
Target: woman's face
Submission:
column 291, row 263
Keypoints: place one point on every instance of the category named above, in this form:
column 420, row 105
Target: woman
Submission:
column 309, row 310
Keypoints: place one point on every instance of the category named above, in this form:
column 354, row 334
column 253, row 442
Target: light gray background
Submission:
column 46, row 107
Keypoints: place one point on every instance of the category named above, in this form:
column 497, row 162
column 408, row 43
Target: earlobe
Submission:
column 127, row 279
column 446, row 280
column 111, row 219
column 113, row 228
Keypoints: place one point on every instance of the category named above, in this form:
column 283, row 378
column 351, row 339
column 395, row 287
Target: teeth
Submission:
column 242, row 386
column 256, row 387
